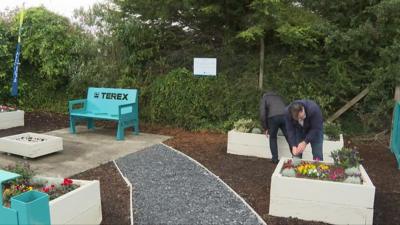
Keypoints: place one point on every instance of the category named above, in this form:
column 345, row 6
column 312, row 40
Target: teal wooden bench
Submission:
column 113, row 104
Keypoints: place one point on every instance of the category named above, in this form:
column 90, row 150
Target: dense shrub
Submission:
column 181, row 99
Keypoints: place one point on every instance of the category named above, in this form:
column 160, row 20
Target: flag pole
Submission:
column 14, row 89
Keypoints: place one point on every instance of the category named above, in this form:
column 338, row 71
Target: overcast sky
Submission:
column 63, row 7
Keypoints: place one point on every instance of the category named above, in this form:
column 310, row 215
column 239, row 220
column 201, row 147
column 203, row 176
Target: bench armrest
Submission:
column 120, row 107
column 75, row 102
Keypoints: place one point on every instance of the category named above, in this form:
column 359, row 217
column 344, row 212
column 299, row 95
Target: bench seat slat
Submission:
column 105, row 116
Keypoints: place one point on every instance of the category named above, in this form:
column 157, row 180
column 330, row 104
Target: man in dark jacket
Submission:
column 304, row 125
column 272, row 115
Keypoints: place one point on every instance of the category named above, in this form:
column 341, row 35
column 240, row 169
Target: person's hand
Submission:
column 295, row 151
column 301, row 147
column 267, row 133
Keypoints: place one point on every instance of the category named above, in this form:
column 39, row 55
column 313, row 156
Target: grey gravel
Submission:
column 169, row 188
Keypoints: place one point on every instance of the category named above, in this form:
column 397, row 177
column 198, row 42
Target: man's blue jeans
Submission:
column 275, row 123
column 316, row 144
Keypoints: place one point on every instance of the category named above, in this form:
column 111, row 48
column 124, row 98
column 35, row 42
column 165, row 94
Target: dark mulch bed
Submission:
column 251, row 177
column 115, row 193
column 248, row 176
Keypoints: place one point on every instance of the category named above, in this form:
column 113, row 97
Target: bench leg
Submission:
column 90, row 123
column 120, row 132
column 72, row 129
column 136, row 127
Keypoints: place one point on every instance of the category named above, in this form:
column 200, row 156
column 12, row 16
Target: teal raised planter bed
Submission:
column 29, row 208
column 32, row 208
column 8, row 216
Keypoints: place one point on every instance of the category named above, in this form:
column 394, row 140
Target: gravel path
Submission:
column 170, row 188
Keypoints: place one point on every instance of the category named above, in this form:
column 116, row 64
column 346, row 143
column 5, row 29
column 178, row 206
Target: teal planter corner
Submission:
column 32, row 207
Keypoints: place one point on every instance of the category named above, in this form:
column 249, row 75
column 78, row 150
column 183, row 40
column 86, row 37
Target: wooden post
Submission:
column 348, row 105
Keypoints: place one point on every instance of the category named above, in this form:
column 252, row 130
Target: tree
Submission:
column 276, row 17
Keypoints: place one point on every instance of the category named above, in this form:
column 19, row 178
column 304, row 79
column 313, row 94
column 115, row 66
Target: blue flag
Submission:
column 14, row 90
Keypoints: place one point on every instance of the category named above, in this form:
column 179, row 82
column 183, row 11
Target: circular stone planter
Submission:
column 31, row 145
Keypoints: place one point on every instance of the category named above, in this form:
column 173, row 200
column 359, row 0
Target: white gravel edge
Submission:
column 227, row 186
column 128, row 183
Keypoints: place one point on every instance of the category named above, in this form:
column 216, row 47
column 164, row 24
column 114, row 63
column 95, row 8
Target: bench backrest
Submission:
column 107, row 100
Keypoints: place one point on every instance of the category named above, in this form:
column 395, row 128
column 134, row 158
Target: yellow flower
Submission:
column 29, row 188
column 324, row 167
column 7, row 191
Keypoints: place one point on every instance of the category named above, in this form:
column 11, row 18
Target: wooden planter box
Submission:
column 326, row 201
column 80, row 206
column 11, row 119
column 257, row 145
column 12, row 145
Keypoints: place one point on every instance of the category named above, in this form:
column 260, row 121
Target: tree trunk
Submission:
column 262, row 53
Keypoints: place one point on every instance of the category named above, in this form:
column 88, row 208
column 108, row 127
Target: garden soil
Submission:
column 249, row 176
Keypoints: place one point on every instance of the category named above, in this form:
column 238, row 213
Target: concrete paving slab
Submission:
column 85, row 150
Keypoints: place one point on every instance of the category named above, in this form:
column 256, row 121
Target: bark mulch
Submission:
column 251, row 177
column 115, row 194
column 248, row 176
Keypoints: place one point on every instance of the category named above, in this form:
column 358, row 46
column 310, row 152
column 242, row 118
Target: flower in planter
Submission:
column 353, row 180
column 288, row 164
column 4, row 108
column 289, row 172
column 12, row 190
column 353, row 171
column 321, row 171
column 67, row 182
column 28, row 182
column 346, row 158
column 336, row 174
column 246, row 126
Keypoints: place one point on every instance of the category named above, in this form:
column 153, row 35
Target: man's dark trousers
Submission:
column 274, row 124
column 316, row 145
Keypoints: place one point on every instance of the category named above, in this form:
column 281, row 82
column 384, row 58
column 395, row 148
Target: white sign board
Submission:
column 205, row 66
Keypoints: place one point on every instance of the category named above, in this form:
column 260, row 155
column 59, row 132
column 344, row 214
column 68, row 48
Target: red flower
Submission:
column 67, row 182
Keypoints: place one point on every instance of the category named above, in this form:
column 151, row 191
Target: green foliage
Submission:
column 191, row 102
column 346, row 158
column 328, row 51
column 352, row 171
column 289, row 172
column 245, row 125
column 24, row 170
column 353, row 180
column 49, row 55
column 332, row 130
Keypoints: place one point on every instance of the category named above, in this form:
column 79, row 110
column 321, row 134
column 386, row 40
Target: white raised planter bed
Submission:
column 326, row 201
column 257, row 145
column 11, row 119
column 80, row 206
column 31, row 145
